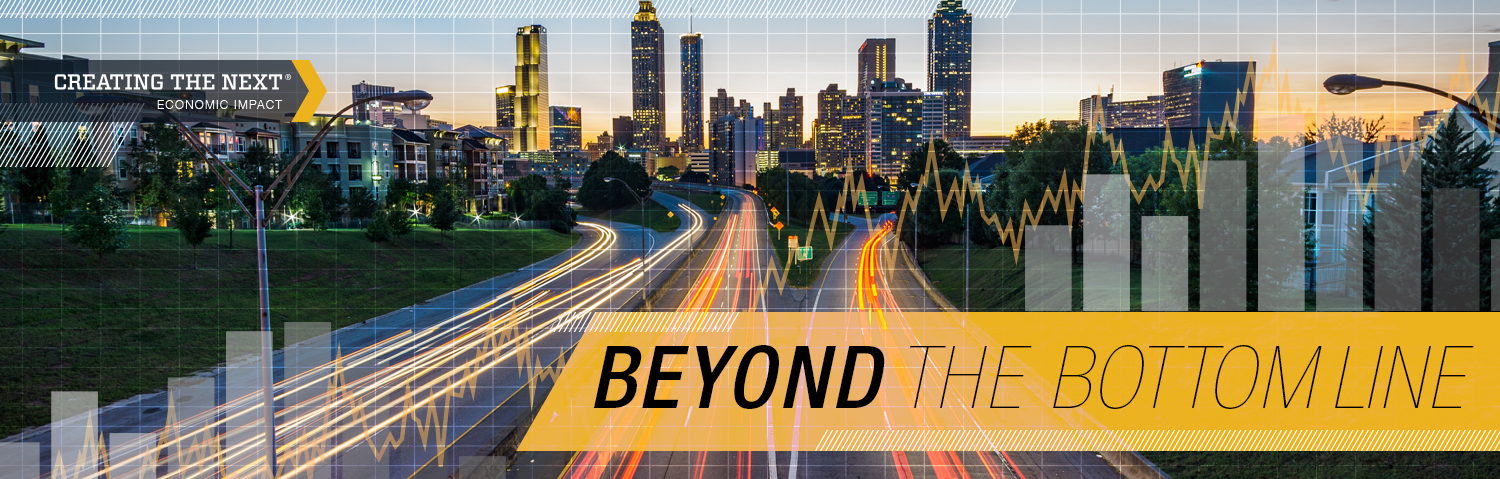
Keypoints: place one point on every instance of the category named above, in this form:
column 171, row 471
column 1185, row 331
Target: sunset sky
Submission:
column 1034, row 61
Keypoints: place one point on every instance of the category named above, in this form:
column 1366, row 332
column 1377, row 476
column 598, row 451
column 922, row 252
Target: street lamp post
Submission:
column 414, row 99
column 642, row 203
column 1348, row 83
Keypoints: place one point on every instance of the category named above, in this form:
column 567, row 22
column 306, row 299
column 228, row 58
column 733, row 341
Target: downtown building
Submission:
column 895, row 113
column 648, row 79
column 784, row 124
column 505, row 112
column 950, row 54
column 1099, row 112
column 532, row 122
column 876, row 62
column 1210, row 95
column 381, row 113
column 567, row 128
column 692, row 92
column 734, row 145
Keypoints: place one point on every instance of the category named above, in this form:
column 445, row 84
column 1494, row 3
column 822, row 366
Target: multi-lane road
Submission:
column 434, row 389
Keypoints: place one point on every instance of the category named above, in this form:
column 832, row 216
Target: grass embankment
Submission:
column 710, row 202
column 123, row 325
column 657, row 217
column 804, row 273
column 996, row 278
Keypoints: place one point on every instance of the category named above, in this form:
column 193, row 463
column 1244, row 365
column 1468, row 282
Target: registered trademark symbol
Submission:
column 286, row 76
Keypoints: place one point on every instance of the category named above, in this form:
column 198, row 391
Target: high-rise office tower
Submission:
column 363, row 91
column 772, row 126
column 720, row 105
column 788, row 132
column 1093, row 112
column 505, row 113
column 692, row 92
column 934, row 116
column 828, row 129
column 877, row 62
column 648, row 71
column 532, row 130
column 567, row 128
column 895, row 119
column 856, row 126
column 950, row 53
column 624, row 128
column 1210, row 94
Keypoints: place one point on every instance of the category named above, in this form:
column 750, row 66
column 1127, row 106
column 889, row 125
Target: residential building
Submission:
column 410, row 159
column 692, row 92
column 1210, row 95
column 1427, row 124
column 876, row 62
column 533, row 117
column 648, row 79
column 950, row 53
column 567, row 128
column 356, row 155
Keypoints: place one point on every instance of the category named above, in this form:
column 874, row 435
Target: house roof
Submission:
column 475, row 144
column 408, row 136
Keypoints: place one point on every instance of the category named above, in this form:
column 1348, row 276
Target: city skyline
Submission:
column 1024, row 70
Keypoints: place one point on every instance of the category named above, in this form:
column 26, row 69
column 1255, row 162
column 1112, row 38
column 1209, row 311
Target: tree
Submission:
column 597, row 194
column 97, row 224
column 561, row 181
column 1367, row 131
column 316, row 200
column 388, row 223
column 362, row 204
column 667, row 172
column 916, row 163
column 1025, row 134
column 193, row 222
column 691, row 176
column 401, row 194
column 931, row 226
column 552, row 206
column 445, row 212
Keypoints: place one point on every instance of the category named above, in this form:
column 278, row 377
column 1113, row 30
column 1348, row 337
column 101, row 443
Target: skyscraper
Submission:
column 828, row 129
column 877, row 62
column 567, row 128
column 895, row 126
column 1208, row 94
column 692, row 92
column 934, row 114
column 648, row 71
column 505, row 113
column 624, row 128
column 788, row 132
column 532, row 120
column 950, row 52
column 363, row 91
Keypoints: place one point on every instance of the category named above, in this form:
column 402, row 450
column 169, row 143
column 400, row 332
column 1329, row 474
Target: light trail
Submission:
column 488, row 333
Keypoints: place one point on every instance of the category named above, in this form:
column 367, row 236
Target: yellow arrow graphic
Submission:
column 315, row 90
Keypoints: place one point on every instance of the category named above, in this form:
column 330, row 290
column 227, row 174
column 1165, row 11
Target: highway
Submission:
column 414, row 391
column 444, row 388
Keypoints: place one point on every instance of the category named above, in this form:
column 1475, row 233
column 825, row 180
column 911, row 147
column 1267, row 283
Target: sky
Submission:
column 1032, row 59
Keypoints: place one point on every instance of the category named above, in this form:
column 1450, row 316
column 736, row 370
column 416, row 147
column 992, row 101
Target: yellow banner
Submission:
column 1028, row 381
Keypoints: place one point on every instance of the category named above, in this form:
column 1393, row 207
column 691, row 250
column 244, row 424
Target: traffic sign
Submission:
column 791, row 243
column 804, row 253
column 890, row 198
column 774, row 212
column 778, row 225
column 669, row 214
column 869, row 198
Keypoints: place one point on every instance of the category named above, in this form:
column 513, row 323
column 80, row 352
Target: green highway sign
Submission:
column 804, row 253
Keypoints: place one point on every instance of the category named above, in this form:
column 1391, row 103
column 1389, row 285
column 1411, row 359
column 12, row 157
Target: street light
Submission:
column 99, row 104
column 643, row 235
column 1348, row 83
